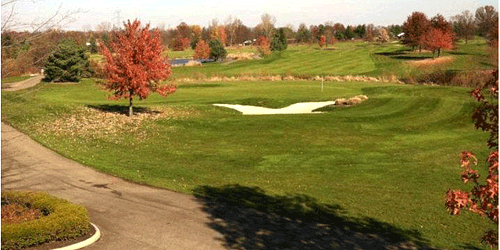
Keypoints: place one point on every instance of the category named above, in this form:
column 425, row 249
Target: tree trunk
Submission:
column 130, row 107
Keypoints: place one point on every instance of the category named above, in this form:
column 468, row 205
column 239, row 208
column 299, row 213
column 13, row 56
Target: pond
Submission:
column 183, row 61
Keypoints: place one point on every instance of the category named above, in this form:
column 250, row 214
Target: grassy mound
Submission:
column 60, row 220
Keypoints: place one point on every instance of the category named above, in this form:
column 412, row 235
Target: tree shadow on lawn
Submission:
column 250, row 219
column 403, row 55
column 121, row 109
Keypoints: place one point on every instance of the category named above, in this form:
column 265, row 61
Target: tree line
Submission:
column 28, row 51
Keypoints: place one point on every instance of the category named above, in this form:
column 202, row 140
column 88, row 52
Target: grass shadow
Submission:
column 247, row 218
column 121, row 109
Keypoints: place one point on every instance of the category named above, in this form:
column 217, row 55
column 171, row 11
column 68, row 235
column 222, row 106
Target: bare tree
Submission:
column 104, row 27
column 37, row 40
column 486, row 18
column 464, row 25
column 266, row 27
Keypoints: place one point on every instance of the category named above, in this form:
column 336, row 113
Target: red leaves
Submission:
column 136, row 66
column 202, row 50
column 263, row 46
column 436, row 39
column 456, row 200
column 483, row 198
column 322, row 41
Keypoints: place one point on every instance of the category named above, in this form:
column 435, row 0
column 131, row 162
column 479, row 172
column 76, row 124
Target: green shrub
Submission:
column 279, row 42
column 217, row 50
column 68, row 63
column 63, row 220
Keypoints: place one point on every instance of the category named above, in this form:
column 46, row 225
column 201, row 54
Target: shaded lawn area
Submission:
column 386, row 163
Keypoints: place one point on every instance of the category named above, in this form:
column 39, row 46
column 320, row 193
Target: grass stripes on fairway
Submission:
column 390, row 159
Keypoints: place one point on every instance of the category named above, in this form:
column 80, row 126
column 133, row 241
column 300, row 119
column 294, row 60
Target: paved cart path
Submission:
column 130, row 216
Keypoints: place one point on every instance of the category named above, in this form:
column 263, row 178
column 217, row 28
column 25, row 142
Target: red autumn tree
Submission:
column 202, row 50
column 415, row 28
column 322, row 41
column 436, row 39
column 136, row 67
column 483, row 198
column 263, row 46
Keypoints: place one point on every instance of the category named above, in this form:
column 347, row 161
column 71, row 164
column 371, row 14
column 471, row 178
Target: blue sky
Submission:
column 171, row 13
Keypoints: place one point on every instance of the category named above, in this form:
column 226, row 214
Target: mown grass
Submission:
column 344, row 58
column 14, row 79
column 390, row 159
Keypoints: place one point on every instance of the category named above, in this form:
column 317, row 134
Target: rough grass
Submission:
column 61, row 220
column 390, row 158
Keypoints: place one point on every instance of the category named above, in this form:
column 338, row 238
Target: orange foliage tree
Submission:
column 322, row 41
column 415, row 28
column 136, row 67
column 436, row 39
column 202, row 50
column 263, row 46
column 483, row 198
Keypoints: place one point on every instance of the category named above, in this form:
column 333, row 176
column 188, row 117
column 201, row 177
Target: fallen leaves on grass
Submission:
column 93, row 122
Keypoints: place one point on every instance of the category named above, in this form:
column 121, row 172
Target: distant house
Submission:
column 401, row 35
column 247, row 42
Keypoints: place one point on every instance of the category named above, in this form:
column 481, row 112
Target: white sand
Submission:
column 297, row 108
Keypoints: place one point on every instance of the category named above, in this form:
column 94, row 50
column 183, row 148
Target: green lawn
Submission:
column 14, row 79
column 344, row 58
column 389, row 160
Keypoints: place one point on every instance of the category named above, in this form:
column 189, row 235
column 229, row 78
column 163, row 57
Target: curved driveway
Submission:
column 130, row 216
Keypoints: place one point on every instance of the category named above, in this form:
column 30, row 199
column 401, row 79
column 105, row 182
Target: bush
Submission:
column 62, row 220
column 68, row 64
column 263, row 46
column 179, row 44
column 217, row 50
column 279, row 42
column 202, row 51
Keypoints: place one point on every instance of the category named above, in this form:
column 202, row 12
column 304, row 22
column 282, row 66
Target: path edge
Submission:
column 84, row 243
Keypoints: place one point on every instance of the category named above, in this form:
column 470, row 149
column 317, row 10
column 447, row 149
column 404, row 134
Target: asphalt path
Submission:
column 129, row 215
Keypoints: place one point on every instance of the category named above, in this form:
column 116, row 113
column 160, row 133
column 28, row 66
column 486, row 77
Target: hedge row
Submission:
column 63, row 220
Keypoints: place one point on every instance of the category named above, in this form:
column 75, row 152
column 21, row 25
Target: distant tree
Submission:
column 266, row 26
column 179, row 44
column 279, row 42
column 322, row 41
column 303, row 34
column 436, row 39
column 217, row 50
column 202, row 50
column 360, row 31
column 395, row 30
column 136, row 67
column 194, row 42
column 486, row 17
column 68, row 63
column 370, row 32
column 349, row 33
column 184, row 31
column 93, row 46
column 415, row 28
column 384, row 35
column 464, row 25
column 263, row 46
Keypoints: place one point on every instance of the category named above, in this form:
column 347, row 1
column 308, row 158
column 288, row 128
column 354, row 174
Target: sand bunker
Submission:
column 297, row 108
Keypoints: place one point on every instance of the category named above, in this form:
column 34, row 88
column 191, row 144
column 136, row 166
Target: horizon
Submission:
column 315, row 12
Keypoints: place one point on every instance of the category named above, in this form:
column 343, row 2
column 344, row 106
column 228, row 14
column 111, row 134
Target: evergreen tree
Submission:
column 68, row 63
column 279, row 42
column 217, row 50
